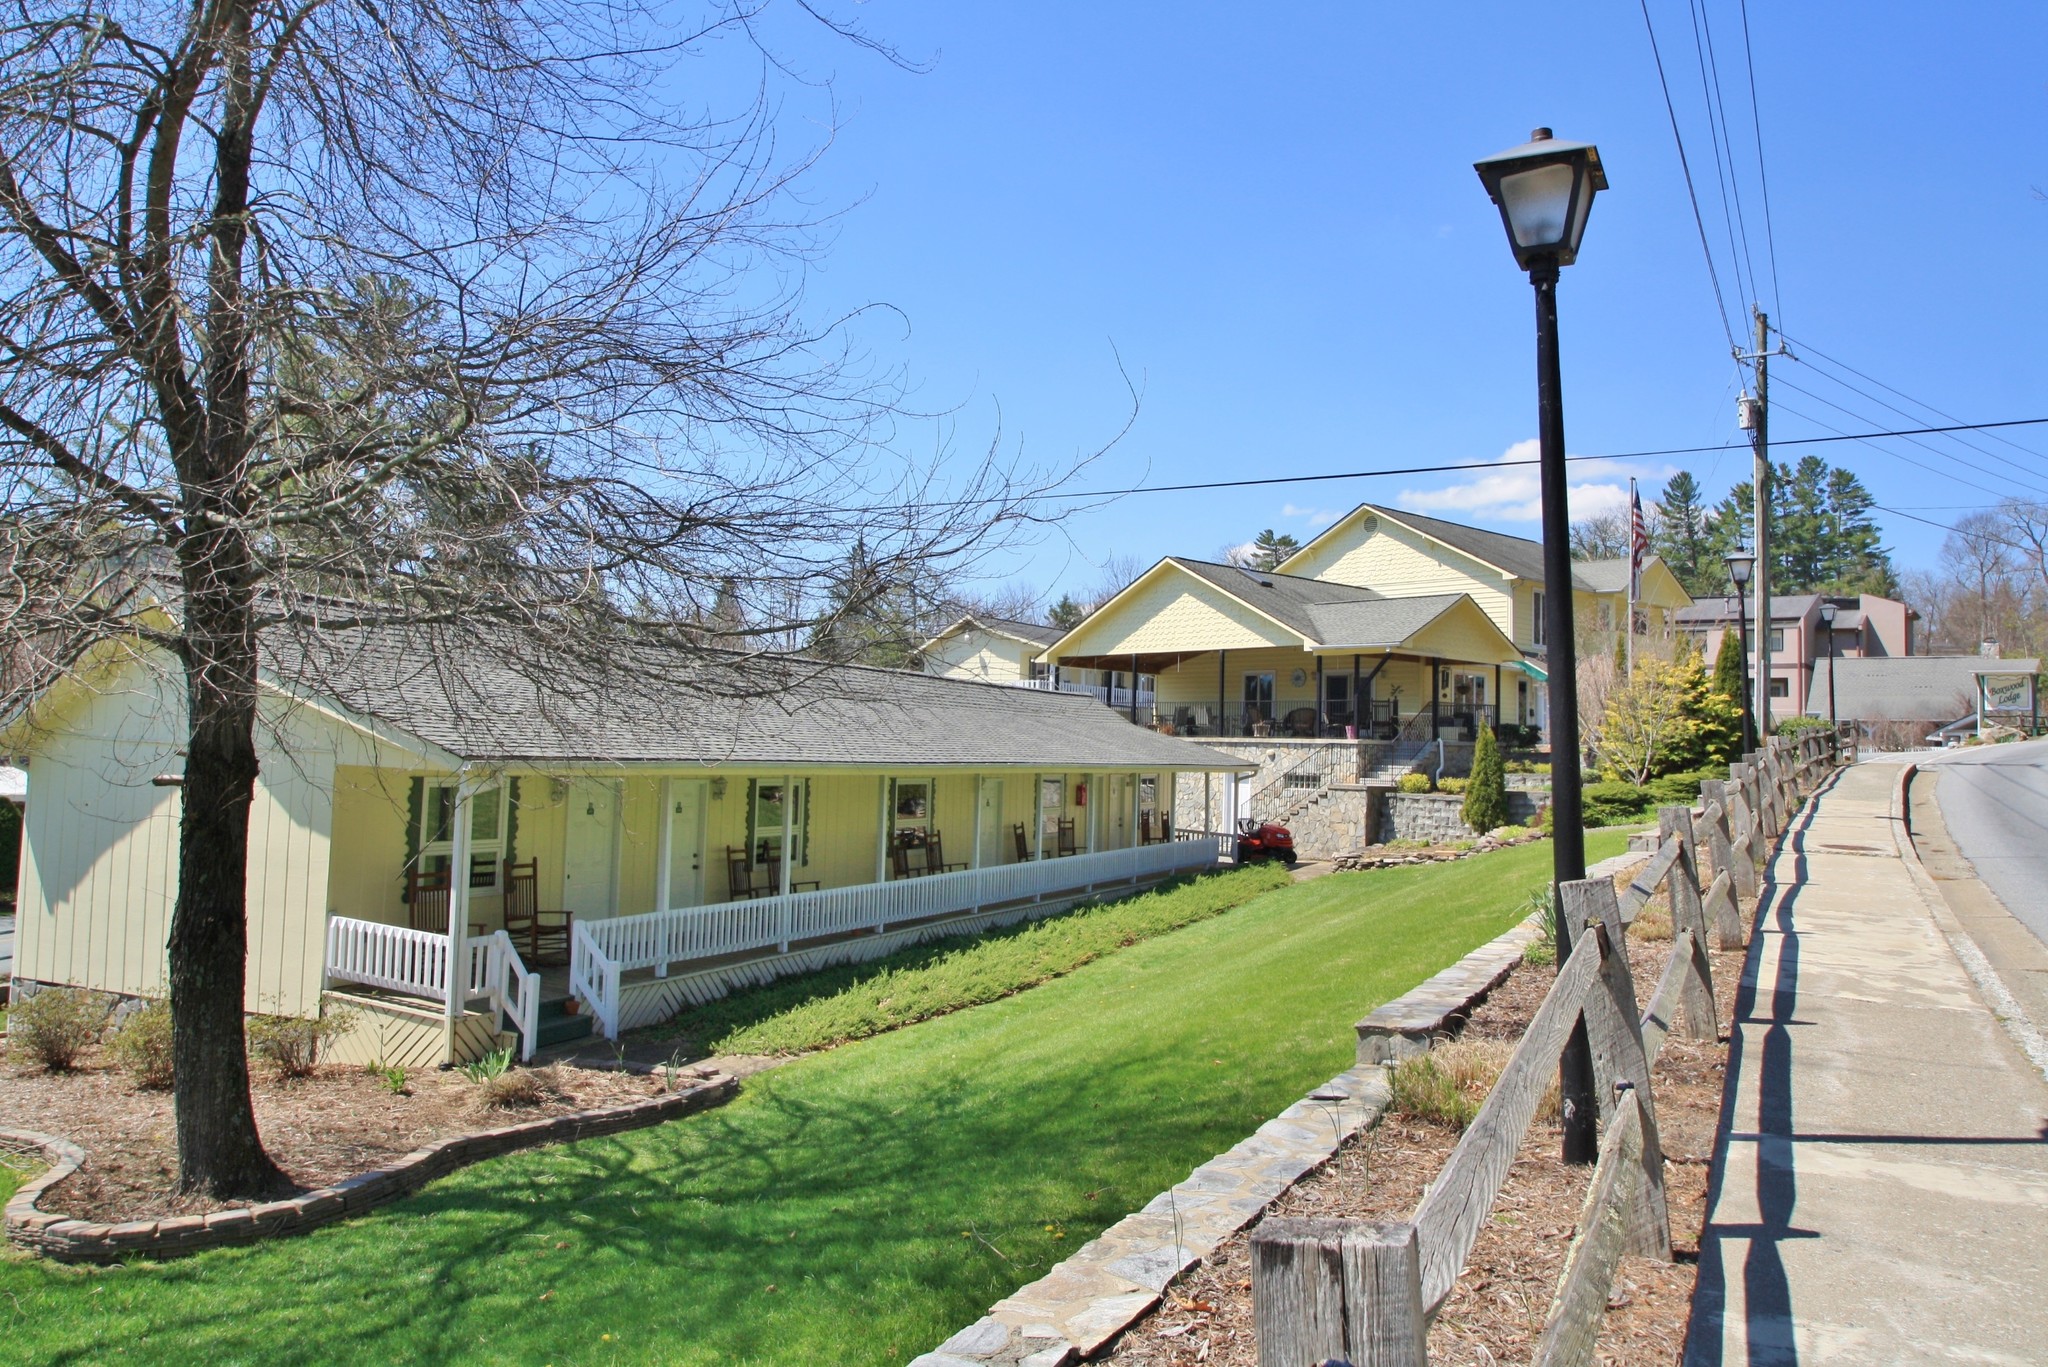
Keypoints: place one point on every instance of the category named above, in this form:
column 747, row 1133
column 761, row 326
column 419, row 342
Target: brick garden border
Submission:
column 69, row 1240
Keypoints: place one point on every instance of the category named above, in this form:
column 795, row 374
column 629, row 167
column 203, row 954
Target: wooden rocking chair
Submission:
column 1066, row 836
column 426, row 900
column 740, row 881
column 543, row 935
column 1023, row 843
column 935, row 856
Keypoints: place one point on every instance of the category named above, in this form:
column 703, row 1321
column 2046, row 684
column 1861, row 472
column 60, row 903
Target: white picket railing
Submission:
column 601, row 950
column 415, row 962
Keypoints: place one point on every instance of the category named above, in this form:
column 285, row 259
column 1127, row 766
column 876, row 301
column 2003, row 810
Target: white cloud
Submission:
column 1240, row 554
column 1318, row 518
column 1514, row 493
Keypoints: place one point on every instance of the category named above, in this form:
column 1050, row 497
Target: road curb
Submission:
column 1998, row 998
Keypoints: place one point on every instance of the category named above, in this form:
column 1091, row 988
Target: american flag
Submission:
column 1638, row 542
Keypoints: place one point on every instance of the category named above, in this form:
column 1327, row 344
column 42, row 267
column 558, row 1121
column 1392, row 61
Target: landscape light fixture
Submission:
column 1741, row 561
column 1545, row 190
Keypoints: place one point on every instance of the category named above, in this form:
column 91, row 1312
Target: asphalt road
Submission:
column 1994, row 801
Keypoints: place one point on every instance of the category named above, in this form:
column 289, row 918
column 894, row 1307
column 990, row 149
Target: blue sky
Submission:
column 1269, row 214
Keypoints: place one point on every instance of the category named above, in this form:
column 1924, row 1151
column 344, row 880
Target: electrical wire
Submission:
column 2032, row 471
column 1895, row 455
column 1932, row 450
column 1756, row 121
column 1691, row 192
column 1717, row 112
column 1917, row 403
column 2029, row 551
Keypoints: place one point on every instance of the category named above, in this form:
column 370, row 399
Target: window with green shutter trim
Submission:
column 767, row 810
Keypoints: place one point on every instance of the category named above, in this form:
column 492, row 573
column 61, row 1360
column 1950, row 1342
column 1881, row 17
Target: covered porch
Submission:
column 671, row 886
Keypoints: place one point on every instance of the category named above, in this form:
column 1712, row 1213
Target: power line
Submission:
column 1932, row 450
column 1454, row 467
column 1958, row 531
column 1756, row 122
column 1738, row 222
column 1918, row 403
column 1691, row 193
column 1895, row 455
column 2029, row 470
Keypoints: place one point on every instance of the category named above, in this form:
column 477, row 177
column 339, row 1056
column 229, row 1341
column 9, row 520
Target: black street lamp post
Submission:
column 1827, row 621
column 1545, row 189
column 1740, row 563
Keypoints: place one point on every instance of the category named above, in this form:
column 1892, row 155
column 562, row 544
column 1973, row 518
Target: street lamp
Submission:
column 1827, row 620
column 1740, row 563
column 1545, row 190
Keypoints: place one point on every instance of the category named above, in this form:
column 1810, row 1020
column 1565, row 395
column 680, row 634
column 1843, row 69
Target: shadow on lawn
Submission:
column 701, row 1030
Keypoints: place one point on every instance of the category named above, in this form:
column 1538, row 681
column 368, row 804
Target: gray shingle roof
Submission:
column 1037, row 633
column 1329, row 614
column 660, row 706
column 1715, row 608
column 1930, row 688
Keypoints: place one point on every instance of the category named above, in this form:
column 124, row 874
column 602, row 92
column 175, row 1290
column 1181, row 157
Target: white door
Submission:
column 589, row 848
column 996, row 846
column 686, row 844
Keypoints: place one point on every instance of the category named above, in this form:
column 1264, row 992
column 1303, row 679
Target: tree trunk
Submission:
column 219, row 1151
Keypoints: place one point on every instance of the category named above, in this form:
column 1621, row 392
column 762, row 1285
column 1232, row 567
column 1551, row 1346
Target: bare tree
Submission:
column 422, row 315
column 1981, row 559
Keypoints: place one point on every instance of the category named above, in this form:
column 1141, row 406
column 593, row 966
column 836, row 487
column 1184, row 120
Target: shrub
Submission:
column 1613, row 804
column 143, row 1044
column 1486, row 793
column 1453, row 786
column 521, row 1087
column 292, row 1044
column 1413, row 783
column 56, row 1025
column 1797, row 727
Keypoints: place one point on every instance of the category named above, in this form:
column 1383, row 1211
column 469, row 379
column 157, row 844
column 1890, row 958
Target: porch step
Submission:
column 554, row 1024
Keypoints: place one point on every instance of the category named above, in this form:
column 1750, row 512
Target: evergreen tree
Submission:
column 1728, row 667
column 1822, row 535
column 1066, row 614
column 1486, row 791
column 1269, row 549
column 1682, row 536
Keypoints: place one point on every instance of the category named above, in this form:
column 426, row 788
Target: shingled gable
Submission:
column 709, row 709
column 1025, row 633
column 1514, row 556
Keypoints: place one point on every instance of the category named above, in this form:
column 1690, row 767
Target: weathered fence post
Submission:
column 1697, row 1001
column 1616, row 1027
column 1348, row 1289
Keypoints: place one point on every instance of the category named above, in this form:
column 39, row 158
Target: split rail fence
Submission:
column 1363, row 1294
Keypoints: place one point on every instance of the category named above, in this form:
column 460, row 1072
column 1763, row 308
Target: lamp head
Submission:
column 1741, row 561
column 1827, row 612
column 1545, row 189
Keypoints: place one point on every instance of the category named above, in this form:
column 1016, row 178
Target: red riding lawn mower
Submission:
column 1258, row 840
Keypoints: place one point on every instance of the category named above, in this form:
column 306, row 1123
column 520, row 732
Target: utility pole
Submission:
column 1760, row 482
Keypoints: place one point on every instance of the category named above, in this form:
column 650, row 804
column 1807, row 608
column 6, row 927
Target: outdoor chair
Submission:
column 773, row 868
column 935, row 856
column 426, row 900
column 1065, row 836
column 901, row 865
column 1151, row 830
column 1023, row 843
column 542, row 935
column 1301, row 722
column 741, row 882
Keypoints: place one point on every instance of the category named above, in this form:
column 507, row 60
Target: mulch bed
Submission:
column 1495, row 1314
column 319, row 1129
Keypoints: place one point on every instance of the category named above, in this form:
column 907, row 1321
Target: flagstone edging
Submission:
column 1114, row 1280
column 65, row 1239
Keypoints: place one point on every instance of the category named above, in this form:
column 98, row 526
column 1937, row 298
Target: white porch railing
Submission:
column 1108, row 697
column 415, row 962
column 601, row 950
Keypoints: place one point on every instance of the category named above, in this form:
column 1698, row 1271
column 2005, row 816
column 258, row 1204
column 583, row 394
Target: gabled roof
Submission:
column 1028, row 633
column 1721, row 608
column 653, row 705
column 1326, row 613
column 1512, row 555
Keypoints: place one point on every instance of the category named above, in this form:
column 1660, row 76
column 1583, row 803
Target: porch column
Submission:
column 1496, row 697
column 664, row 856
column 1138, row 808
column 1208, row 809
column 1222, row 689
column 1435, row 714
column 458, row 913
column 1134, row 690
column 664, row 851
column 882, row 831
column 789, row 814
column 980, row 780
column 1037, row 817
column 1357, row 719
column 1319, row 698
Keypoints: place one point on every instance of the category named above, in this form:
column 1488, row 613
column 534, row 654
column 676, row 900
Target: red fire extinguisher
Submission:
column 1080, row 794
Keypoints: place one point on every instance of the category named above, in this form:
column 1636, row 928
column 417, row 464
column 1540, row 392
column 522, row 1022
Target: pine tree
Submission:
column 1486, row 791
column 1066, row 614
column 1728, row 667
column 1682, row 536
column 1269, row 549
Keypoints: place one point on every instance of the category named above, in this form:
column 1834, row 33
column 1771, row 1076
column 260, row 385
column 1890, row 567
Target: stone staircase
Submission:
column 1398, row 761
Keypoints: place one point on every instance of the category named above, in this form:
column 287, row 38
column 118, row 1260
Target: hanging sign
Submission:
column 2008, row 692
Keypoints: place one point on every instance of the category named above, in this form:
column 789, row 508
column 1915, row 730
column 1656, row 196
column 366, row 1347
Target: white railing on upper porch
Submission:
column 415, row 962
column 601, row 950
column 1108, row 697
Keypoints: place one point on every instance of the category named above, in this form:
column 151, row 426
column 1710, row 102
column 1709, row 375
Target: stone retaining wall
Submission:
column 68, row 1240
column 1437, row 817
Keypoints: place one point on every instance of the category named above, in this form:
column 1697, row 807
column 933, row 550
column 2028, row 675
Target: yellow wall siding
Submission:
column 100, row 875
column 543, row 826
column 640, row 816
column 981, row 655
column 366, row 879
column 1173, row 612
column 1400, row 563
column 1461, row 636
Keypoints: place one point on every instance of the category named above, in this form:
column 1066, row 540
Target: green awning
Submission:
column 1534, row 671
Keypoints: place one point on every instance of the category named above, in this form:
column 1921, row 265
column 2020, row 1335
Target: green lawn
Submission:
column 852, row 1207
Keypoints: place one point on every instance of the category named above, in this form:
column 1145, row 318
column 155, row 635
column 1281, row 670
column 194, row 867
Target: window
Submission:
column 1258, row 696
column 487, row 809
column 773, row 805
column 1537, row 633
column 1781, row 688
column 1777, row 640
column 913, row 808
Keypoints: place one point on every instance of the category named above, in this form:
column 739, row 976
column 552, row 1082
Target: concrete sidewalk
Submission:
column 1880, row 1187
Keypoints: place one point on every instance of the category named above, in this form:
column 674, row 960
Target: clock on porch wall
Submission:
column 1300, row 677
